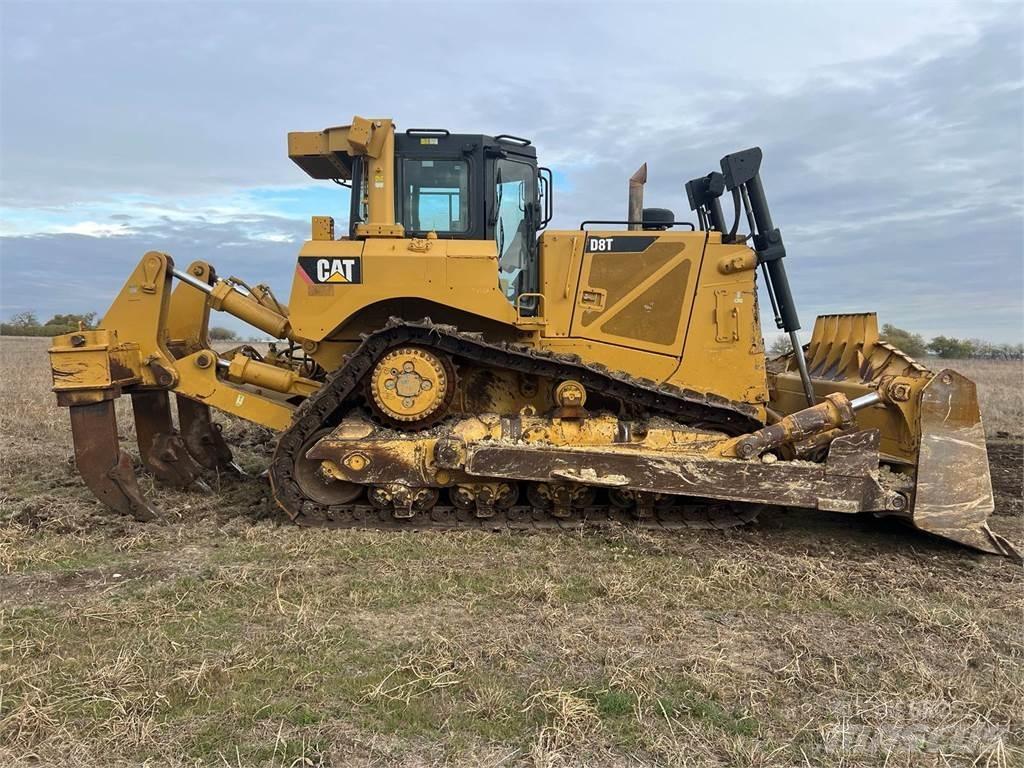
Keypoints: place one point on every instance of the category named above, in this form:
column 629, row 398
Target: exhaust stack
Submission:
column 635, row 213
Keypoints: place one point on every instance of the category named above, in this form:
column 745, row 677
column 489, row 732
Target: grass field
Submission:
column 224, row 637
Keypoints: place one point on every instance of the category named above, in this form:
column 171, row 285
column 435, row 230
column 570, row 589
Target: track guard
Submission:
column 954, row 497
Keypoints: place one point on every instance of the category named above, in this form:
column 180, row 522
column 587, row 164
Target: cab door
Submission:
column 636, row 288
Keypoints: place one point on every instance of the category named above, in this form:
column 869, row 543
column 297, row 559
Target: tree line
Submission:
column 28, row 324
column 915, row 345
column 949, row 347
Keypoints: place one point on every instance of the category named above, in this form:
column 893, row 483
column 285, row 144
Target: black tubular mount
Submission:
column 741, row 174
column 703, row 194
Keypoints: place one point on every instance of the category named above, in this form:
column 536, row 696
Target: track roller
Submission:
column 484, row 499
column 560, row 498
column 640, row 503
column 403, row 501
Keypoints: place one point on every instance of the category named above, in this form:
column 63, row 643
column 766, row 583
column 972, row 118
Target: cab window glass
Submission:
column 513, row 229
column 435, row 195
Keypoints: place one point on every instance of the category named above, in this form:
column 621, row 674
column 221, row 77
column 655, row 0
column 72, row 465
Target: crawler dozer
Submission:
column 450, row 362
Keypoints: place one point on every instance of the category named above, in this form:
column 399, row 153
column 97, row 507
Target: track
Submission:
column 329, row 404
column 713, row 515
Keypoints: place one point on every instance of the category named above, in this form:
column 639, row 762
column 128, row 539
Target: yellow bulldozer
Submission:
column 449, row 362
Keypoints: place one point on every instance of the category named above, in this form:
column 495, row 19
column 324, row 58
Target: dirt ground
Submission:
column 225, row 637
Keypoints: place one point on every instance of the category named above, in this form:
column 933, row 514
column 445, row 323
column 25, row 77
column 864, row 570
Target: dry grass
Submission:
column 1000, row 390
column 225, row 638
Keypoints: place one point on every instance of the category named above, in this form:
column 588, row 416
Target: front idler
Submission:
column 314, row 483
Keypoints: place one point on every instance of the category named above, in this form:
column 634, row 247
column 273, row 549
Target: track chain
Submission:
column 328, row 405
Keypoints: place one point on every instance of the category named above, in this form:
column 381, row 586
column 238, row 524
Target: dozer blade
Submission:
column 954, row 498
column 160, row 446
column 105, row 468
column 201, row 436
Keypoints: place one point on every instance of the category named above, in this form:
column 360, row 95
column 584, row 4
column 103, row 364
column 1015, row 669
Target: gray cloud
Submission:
column 48, row 274
column 893, row 141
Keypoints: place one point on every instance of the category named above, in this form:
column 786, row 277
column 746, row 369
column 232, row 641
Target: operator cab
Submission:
column 471, row 187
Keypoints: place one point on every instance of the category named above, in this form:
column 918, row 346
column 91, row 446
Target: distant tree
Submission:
column 779, row 347
column 24, row 320
column 72, row 321
column 222, row 334
column 953, row 348
column 905, row 341
column 987, row 350
column 1008, row 352
column 22, row 324
column 27, row 324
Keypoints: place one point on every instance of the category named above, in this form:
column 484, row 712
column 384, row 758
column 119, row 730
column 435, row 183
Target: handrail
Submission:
column 508, row 138
column 537, row 319
column 653, row 224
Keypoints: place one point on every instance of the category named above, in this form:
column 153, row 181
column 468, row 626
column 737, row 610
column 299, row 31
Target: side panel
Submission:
column 636, row 288
column 334, row 279
column 560, row 256
column 953, row 497
column 660, row 305
column 724, row 349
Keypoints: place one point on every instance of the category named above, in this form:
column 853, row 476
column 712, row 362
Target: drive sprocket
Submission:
column 412, row 387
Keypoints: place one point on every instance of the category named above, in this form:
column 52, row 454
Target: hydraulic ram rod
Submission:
column 195, row 282
column 225, row 298
column 834, row 411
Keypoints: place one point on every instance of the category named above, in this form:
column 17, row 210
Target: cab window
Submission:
column 435, row 195
column 514, row 231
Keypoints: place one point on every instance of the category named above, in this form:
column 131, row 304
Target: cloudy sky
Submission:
column 892, row 132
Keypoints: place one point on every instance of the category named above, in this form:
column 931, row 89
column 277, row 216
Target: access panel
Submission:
column 636, row 288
